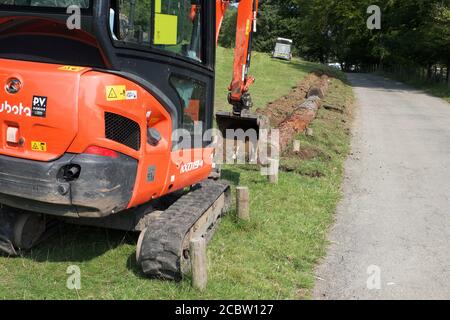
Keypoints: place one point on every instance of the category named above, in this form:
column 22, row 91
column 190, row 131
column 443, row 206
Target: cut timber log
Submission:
column 304, row 114
column 300, row 119
column 315, row 92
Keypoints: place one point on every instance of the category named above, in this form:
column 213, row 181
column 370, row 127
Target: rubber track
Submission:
column 162, row 245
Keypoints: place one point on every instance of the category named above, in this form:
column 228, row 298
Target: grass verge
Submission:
column 272, row 257
column 440, row 90
column 274, row 78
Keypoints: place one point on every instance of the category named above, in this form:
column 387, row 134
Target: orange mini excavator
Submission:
column 91, row 95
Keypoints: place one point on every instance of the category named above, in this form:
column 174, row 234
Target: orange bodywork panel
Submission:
column 61, row 109
column 57, row 128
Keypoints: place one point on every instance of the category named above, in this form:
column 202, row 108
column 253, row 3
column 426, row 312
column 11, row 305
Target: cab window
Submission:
column 171, row 25
column 192, row 94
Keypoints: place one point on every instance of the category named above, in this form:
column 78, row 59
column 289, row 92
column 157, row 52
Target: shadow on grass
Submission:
column 439, row 90
column 74, row 244
column 133, row 266
column 318, row 70
column 386, row 82
column 77, row 244
column 231, row 176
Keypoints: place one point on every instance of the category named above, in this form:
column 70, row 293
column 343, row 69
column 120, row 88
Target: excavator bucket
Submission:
column 227, row 120
column 251, row 129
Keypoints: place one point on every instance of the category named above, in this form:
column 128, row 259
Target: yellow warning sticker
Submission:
column 116, row 93
column 71, row 68
column 38, row 146
column 248, row 27
column 154, row 121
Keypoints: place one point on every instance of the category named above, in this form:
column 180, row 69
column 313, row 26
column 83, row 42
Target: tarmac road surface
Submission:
column 391, row 239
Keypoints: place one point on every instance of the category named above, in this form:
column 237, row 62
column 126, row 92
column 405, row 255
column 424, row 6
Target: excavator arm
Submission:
column 238, row 95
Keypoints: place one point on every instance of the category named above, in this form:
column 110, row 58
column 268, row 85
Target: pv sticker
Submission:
column 39, row 107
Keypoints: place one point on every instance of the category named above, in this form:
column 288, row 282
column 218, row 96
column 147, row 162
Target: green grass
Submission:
column 438, row 90
column 274, row 78
column 271, row 257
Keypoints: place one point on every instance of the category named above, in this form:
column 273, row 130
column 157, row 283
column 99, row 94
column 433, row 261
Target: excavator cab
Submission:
column 104, row 107
column 119, row 79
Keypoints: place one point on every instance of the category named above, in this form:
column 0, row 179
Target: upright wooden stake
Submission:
column 274, row 166
column 242, row 203
column 309, row 132
column 197, row 250
column 297, row 145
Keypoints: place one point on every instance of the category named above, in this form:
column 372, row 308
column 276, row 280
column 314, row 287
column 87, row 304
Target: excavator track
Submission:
column 21, row 230
column 163, row 247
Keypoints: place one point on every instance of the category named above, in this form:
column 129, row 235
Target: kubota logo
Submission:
column 13, row 86
column 191, row 166
column 17, row 110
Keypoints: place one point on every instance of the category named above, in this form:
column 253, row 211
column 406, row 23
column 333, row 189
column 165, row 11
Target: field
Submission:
column 271, row 257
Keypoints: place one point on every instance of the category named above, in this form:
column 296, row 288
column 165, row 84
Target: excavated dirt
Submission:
column 305, row 153
column 277, row 111
column 291, row 115
column 298, row 121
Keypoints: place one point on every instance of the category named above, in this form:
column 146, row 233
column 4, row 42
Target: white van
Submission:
column 283, row 49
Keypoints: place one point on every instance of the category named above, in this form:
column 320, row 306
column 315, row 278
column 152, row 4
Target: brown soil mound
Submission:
column 293, row 113
column 305, row 153
column 278, row 110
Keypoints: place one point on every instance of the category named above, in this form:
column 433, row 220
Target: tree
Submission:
column 414, row 33
column 227, row 36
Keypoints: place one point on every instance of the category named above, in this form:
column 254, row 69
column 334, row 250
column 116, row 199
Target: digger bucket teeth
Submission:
column 243, row 137
column 229, row 121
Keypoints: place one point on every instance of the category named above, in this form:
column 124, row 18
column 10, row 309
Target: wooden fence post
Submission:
column 197, row 250
column 297, row 145
column 243, row 203
column 274, row 167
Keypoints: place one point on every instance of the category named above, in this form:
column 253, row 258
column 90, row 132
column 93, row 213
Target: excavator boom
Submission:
column 239, row 96
column 245, row 28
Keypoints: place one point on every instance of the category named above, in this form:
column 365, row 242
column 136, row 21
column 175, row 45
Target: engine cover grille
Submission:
column 122, row 130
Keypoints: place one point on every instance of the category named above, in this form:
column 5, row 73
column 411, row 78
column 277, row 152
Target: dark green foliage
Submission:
column 414, row 33
column 228, row 32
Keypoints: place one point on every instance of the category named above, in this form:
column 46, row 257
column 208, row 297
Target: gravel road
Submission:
column 391, row 239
